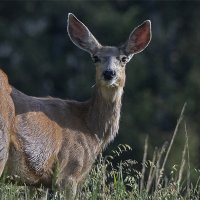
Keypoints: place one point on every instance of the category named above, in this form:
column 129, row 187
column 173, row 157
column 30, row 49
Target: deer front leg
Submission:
column 68, row 188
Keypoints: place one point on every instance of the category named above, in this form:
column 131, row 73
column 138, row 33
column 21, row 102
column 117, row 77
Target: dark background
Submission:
column 40, row 60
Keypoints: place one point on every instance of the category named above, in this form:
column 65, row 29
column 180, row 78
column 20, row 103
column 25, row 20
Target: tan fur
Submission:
column 38, row 135
column 6, row 119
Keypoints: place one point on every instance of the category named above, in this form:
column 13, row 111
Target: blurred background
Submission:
column 40, row 60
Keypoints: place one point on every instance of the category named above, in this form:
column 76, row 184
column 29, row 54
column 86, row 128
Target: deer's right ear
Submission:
column 80, row 35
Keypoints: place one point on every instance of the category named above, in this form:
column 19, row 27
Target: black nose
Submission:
column 109, row 74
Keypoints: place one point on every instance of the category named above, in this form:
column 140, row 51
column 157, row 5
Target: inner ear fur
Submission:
column 139, row 38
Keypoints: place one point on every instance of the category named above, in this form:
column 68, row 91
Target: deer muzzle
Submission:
column 109, row 74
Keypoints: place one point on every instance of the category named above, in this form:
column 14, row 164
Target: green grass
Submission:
column 125, row 182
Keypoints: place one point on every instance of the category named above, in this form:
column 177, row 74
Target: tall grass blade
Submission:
column 171, row 143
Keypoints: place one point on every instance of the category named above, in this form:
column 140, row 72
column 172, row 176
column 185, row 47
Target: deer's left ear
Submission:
column 139, row 38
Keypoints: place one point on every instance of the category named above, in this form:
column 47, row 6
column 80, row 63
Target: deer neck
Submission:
column 104, row 113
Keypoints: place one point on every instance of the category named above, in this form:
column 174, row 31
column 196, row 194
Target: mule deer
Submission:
column 37, row 133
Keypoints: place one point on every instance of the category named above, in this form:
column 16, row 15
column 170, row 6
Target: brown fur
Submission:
column 6, row 119
column 41, row 133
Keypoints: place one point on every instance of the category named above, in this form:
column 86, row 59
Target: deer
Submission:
column 37, row 134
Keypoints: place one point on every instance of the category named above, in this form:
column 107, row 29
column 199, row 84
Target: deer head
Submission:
column 110, row 61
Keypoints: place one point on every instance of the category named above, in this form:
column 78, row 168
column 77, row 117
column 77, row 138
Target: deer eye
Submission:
column 96, row 59
column 124, row 59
